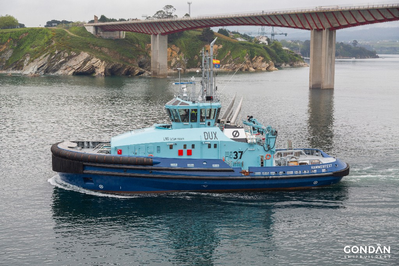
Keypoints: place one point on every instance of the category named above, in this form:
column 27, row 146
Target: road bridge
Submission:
column 323, row 22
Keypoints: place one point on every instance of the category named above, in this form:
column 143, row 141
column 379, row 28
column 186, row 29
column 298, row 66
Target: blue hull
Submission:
column 125, row 174
column 120, row 184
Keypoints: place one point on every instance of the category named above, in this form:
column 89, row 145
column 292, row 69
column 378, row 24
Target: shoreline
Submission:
column 170, row 71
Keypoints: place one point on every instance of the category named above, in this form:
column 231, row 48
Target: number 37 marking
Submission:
column 238, row 154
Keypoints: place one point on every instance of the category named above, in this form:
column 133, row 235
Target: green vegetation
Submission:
column 342, row 50
column 384, row 47
column 191, row 42
column 39, row 41
column 166, row 12
column 120, row 50
column 32, row 43
column 8, row 22
column 207, row 35
column 223, row 32
column 54, row 22
column 244, row 36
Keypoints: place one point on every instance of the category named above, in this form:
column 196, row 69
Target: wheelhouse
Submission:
column 191, row 114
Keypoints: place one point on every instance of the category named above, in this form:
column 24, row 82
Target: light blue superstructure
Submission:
column 196, row 132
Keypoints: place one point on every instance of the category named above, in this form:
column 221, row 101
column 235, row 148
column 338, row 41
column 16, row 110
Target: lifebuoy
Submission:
column 150, row 155
column 268, row 156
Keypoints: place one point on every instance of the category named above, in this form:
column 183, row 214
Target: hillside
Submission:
column 72, row 52
column 34, row 51
column 342, row 50
column 234, row 55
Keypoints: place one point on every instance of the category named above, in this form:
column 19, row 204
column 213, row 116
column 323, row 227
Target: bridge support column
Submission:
column 159, row 55
column 322, row 59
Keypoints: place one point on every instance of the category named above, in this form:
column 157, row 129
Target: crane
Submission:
column 272, row 33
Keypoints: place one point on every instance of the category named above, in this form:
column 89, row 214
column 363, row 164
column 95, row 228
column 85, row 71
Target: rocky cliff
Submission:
column 66, row 62
column 71, row 63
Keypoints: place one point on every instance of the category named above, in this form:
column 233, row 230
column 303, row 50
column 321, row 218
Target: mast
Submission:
column 207, row 82
column 211, row 66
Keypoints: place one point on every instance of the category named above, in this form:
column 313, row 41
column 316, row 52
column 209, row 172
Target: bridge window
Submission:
column 169, row 114
column 184, row 114
column 217, row 114
column 176, row 115
column 209, row 114
column 192, row 146
column 185, row 146
column 215, row 146
column 173, row 114
column 209, row 146
column 170, row 146
column 203, row 115
column 193, row 115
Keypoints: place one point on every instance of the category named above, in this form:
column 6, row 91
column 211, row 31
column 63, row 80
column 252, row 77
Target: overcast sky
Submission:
column 34, row 13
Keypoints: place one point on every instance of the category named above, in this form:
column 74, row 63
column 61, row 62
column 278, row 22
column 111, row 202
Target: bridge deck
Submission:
column 319, row 18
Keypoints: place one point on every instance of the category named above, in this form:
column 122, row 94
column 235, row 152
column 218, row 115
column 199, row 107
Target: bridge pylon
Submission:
column 322, row 59
column 159, row 55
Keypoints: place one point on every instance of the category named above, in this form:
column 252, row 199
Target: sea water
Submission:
column 46, row 222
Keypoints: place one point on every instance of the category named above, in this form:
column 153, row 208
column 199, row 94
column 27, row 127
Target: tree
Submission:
column 8, row 22
column 169, row 10
column 174, row 36
column 57, row 23
column 166, row 12
column 206, row 35
column 305, row 49
column 223, row 32
column 105, row 19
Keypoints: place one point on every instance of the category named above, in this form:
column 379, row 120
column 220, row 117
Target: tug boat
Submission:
column 200, row 150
